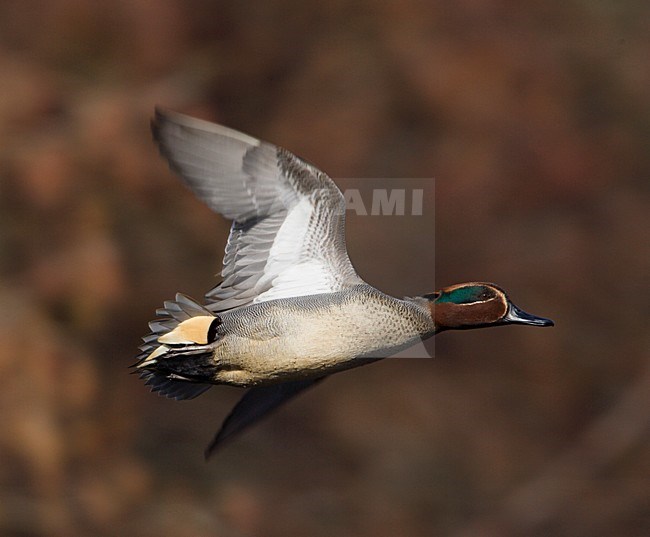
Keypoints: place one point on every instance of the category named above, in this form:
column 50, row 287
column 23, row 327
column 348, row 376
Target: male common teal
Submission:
column 291, row 309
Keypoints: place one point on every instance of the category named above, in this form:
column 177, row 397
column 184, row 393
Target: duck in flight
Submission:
column 291, row 309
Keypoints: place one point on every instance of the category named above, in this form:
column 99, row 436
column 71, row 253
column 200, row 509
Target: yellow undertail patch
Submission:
column 194, row 330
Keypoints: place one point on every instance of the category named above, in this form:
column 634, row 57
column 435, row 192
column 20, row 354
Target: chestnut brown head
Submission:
column 475, row 305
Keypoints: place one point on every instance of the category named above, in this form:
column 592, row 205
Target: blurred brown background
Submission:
column 534, row 120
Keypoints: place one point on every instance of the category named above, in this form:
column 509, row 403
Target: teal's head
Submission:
column 476, row 305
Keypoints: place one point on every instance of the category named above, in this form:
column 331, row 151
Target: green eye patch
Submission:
column 466, row 295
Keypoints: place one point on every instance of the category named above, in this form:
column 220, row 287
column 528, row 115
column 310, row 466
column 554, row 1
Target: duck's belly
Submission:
column 280, row 345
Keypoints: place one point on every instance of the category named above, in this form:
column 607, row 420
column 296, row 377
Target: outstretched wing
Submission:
column 256, row 404
column 287, row 237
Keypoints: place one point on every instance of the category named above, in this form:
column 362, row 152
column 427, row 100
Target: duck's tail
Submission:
column 183, row 328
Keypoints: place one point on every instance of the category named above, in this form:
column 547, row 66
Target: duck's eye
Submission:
column 485, row 295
